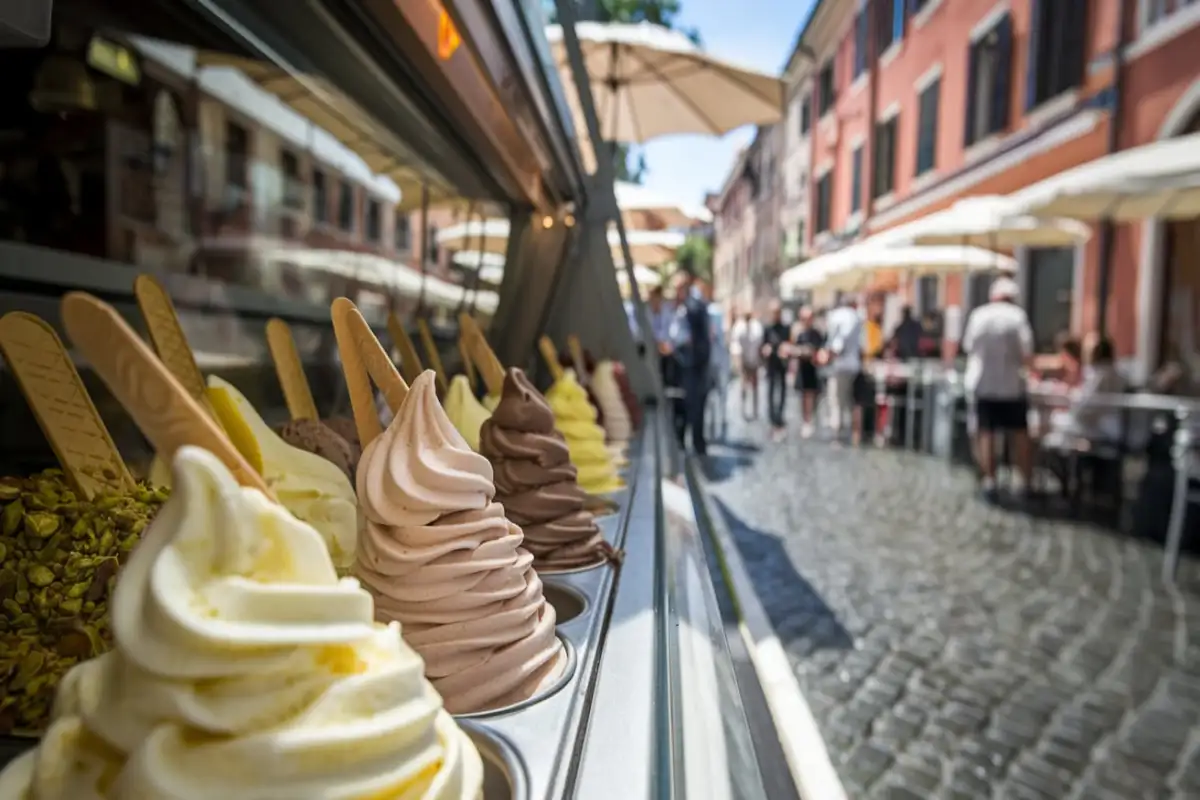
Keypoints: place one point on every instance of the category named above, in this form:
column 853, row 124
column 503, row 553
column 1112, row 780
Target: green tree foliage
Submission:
column 695, row 255
column 629, row 165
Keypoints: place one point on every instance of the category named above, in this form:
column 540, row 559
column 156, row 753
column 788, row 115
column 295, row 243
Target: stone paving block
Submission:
column 940, row 638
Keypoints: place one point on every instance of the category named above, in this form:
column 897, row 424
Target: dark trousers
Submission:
column 689, row 410
column 776, row 395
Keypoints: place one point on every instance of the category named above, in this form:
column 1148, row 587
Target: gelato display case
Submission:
column 289, row 496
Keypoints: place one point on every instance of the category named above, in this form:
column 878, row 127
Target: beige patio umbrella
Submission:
column 644, row 275
column 990, row 222
column 649, row 81
column 1161, row 180
column 645, row 209
column 814, row 273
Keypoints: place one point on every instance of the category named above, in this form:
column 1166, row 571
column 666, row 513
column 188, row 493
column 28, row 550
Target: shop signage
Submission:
column 448, row 39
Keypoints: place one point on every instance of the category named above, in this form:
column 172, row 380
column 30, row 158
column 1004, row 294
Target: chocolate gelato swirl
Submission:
column 320, row 439
column 536, row 482
column 440, row 557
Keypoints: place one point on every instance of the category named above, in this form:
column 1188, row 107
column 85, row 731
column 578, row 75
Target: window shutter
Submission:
column 1033, row 60
column 1072, row 44
column 972, row 77
column 1002, row 88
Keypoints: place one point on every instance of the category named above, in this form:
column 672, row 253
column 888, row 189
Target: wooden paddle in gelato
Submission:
column 484, row 357
column 166, row 334
column 468, row 365
column 410, row 362
column 431, row 354
column 62, row 406
column 364, row 360
column 575, row 348
column 168, row 414
column 296, row 391
column 550, row 356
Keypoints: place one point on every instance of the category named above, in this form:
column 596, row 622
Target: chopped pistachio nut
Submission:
column 59, row 556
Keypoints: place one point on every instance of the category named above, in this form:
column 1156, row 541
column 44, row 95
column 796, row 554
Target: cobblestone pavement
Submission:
column 950, row 649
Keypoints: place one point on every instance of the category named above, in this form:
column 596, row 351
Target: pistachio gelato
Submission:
column 59, row 556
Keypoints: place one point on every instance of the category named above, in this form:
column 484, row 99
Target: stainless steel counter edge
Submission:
column 619, row 750
column 547, row 734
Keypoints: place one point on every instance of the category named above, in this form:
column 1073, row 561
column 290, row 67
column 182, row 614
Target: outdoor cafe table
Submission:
column 1186, row 411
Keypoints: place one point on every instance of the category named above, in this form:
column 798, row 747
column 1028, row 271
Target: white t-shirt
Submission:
column 845, row 334
column 998, row 340
column 747, row 341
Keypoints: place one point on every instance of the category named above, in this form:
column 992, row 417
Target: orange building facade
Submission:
column 920, row 103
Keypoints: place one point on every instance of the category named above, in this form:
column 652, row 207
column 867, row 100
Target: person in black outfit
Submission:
column 906, row 339
column 776, row 351
column 807, row 342
column 691, row 349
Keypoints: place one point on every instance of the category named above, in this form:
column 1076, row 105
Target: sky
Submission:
column 755, row 33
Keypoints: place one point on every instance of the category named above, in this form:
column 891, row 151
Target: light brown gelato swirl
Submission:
column 536, row 481
column 441, row 558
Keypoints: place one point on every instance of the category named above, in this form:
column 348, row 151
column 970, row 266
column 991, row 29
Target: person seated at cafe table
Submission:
column 1086, row 420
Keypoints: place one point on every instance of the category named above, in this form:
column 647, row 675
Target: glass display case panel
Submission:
column 156, row 144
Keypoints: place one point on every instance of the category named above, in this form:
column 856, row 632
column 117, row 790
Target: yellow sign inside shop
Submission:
column 448, row 39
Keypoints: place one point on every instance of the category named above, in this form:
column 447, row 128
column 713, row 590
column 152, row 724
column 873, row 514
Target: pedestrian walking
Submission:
column 719, row 362
column 690, row 346
column 845, row 335
column 775, row 349
column 998, row 341
column 807, row 343
column 747, row 337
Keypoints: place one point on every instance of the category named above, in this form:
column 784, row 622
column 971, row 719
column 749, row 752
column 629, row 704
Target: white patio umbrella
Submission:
column 643, row 274
column 1161, row 179
column 473, row 259
column 650, row 81
column 650, row 248
column 466, row 236
column 641, row 207
column 990, row 222
column 862, row 262
column 813, row 273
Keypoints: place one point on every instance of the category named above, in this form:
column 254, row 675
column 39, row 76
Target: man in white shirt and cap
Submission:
column 844, row 343
column 998, row 341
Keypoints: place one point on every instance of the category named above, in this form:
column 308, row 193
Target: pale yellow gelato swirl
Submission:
column 466, row 414
column 576, row 421
column 309, row 486
column 440, row 557
column 244, row 670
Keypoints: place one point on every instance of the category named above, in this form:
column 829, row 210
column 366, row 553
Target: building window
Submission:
column 800, row 226
column 1058, row 34
column 403, row 232
column 891, row 23
column 805, row 113
column 824, row 198
column 432, row 251
column 1153, row 12
column 826, row 93
column 915, row 6
column 237, row 152
column 989, row 73
column 320, row 196
column 861, row 29
column 1051, row 272
column 293, row 185
column 856, row 178
column 927, row 294
column 346, row 206
column 885, row 157
column 979, row 284
column 927, row 126
column 374, row 220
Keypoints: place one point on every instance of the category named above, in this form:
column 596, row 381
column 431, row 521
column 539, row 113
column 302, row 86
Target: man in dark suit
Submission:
column 691, row 350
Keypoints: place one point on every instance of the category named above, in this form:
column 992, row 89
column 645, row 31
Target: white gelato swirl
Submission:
column 617, row 424
column 244, row 670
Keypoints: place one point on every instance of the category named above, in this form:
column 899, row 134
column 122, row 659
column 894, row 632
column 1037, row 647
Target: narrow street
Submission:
column 949, row 649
